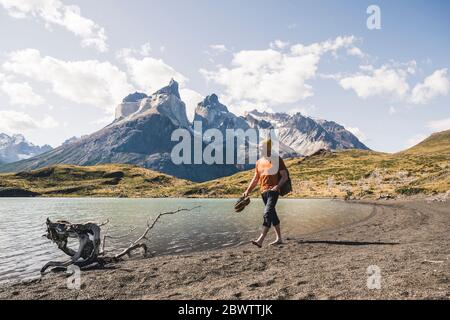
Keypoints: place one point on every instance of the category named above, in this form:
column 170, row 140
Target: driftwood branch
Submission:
column 106, row 236
column 88, row 236
column 91, row 248
column 103, row 223
column 102, row 250
column 137, row 244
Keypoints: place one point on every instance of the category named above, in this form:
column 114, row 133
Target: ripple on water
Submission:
column 23, row 250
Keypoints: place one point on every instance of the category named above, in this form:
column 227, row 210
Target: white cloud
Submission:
column 149, row 74
column 191, row 98
column 439, row 125
column 385, row 81
column 355, row 51
column 92, row 82
column 48, row 122
column 320, row 48
column 270, row 76
column 357, row 133
column 279, row 44
column 146, row 49
column 21, row 94
column 19, row 122
column 218, row 48
column 54, row 12
column 391, row 81
column 434, row 85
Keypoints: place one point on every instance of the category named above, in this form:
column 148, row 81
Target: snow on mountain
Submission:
column 16, row 147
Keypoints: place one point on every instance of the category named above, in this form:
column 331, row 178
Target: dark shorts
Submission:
column 270, row 199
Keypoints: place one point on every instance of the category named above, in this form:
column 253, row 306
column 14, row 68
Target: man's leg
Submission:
column 278, row 240
column 275, row 221
column 261, row 238
column 267, row 221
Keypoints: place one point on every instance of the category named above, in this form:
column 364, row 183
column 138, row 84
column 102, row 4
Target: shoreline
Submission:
column 407, row 239
column 417, row 197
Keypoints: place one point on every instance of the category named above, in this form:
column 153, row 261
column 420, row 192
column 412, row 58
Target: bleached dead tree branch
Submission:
column 91, row 250
column 137, row 244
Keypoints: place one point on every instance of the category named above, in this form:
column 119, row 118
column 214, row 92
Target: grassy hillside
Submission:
column 424, row 168
column 98, row 181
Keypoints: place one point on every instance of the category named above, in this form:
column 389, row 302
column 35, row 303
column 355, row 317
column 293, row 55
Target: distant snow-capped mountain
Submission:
column 298, row 134
column 306, row 135
column 140, row 135
column 142, row 129
column 16, row 147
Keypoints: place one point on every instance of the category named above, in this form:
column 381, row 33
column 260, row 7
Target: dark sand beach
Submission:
column 409, row 240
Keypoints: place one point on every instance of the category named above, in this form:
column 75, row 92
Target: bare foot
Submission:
column 276, row 242
column 256, row 243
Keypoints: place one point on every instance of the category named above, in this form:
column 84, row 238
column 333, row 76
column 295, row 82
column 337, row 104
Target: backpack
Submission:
column 286, row 188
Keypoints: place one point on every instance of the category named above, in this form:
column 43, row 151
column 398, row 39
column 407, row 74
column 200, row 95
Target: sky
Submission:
column 66, row 64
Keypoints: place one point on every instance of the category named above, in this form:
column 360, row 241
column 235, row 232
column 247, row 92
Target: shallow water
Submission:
column 23, row 250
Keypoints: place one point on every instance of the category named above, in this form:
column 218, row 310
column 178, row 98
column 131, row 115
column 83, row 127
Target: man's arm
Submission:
column 252, row 184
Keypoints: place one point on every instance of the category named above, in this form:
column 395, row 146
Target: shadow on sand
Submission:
column 347, row 243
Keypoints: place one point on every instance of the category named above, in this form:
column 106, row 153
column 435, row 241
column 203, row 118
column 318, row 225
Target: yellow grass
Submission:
column 424, row 168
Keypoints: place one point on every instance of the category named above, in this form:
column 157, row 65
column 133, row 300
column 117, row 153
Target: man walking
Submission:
column 271, row 174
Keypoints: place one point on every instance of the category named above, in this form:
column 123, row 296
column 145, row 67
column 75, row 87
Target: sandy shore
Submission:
column 408, row 240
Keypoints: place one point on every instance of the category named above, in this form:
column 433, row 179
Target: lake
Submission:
column 23, row 250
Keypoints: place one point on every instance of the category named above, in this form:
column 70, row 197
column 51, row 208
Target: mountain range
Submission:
column 16, row 147
column 347, row 174
column 143, row 125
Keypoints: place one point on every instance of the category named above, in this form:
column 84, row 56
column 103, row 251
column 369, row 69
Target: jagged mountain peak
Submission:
column 16, row 147
column 305, row 134
column 214, row 114
column 165, row 101
column 213, row 98
column 268, row 115
column 212, row 102
column 171, row 89
column 134, row 97
column 141, row 135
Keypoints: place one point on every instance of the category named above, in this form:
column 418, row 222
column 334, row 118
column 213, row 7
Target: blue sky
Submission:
column 65, row 64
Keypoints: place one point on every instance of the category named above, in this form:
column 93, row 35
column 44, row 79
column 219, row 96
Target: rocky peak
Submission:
column 18, row 138
column 212, row 102
column 214, row 114
column 171, row 89
column 257, row 123
column 212, row 98
column 16, row 147
column 330, row 125
column 134, row 97
column 166, row 101
column 4, row 139
column 304, row 134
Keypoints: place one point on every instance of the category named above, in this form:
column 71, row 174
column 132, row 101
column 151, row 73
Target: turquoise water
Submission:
column 23, row 250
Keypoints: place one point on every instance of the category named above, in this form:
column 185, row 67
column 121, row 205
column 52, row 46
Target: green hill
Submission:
column 96, row 181
column 424, row 168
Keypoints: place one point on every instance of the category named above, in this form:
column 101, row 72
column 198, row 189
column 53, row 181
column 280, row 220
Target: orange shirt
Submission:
column 267, row 180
